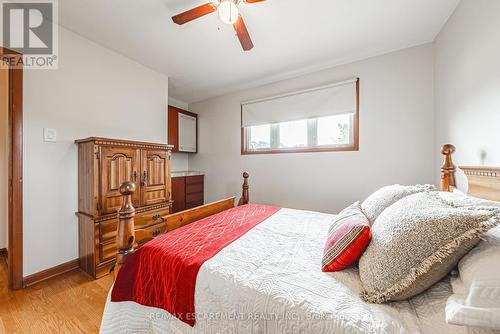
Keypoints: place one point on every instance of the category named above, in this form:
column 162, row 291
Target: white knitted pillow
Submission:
column 386, row 196
column 416, row 242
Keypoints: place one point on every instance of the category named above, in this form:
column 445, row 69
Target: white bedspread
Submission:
column 270, row 281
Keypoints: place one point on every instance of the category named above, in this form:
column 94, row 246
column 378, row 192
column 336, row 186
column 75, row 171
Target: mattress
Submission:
column 270, row 281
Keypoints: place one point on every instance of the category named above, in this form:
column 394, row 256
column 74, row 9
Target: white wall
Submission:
column 180, row 162
column 4, row 154
column 95, row 92
column 396, row 138
column 178, row 103
column 467, row 82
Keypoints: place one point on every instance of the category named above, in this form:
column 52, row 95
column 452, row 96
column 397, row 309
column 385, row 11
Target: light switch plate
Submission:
column 49, row 135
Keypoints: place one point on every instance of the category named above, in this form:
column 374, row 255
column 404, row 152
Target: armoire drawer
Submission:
column 151, row 217
column 108, row 228
column 107, row 249
column 151, row 232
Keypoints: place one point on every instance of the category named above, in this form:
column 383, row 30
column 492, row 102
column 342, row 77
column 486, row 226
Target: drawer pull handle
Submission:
column 158, row 219
column 156, row 233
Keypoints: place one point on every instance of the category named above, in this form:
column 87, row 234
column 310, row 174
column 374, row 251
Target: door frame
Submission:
column 15, row 207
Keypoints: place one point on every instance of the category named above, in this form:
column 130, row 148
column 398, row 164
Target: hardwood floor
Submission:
column 70, row 303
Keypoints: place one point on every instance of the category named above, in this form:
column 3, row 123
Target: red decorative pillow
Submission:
column 348, row 238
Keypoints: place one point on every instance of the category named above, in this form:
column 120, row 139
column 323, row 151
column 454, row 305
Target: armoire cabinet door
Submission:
column 118, row 165
column 187, row 133
column 155, row 183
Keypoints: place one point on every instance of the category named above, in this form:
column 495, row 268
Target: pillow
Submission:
column 458, row 198
column 386, row 196
column 476, row 292
column 416, row 242
column 347, row 239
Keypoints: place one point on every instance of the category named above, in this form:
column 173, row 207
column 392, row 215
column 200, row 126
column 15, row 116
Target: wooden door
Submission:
column 155, row 177
column 118, row 165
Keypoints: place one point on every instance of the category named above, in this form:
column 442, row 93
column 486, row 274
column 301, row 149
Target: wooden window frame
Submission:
column 15, row 207
column 353, row 147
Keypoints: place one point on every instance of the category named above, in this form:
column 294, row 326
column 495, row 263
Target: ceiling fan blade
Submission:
column 243, row 35
column 254, row 1
column 194, row 13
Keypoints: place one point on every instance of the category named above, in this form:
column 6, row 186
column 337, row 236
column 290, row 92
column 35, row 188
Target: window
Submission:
column 334, row 130
column 259, row 137
column 293, row 134
column 315, row 120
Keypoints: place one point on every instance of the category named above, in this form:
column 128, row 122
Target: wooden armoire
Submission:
column 103, row 164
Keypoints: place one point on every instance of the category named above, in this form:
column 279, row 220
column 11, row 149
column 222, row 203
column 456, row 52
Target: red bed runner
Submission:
column 162, row 273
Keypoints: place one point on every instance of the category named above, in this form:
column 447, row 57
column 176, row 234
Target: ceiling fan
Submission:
column 228, row 13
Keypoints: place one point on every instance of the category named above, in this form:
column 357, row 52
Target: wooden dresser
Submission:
column 187, row 191
column 103, row 164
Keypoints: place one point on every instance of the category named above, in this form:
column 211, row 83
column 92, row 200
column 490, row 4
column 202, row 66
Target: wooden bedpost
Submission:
column 245, row 196
column 448, row 169
column 125, row 237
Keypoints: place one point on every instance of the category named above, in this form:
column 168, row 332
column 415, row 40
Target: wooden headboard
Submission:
column 484, row 182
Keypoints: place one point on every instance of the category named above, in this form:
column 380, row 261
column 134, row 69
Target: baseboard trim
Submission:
column 51, row 272
column 4, row 252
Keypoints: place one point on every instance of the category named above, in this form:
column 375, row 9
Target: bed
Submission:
column 267, row 280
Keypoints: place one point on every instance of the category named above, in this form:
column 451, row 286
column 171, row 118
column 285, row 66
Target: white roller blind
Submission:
column 334, row 99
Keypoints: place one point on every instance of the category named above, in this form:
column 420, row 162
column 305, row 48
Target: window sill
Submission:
column 303, row 150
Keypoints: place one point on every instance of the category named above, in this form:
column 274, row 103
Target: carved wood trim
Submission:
column 484, row 182
column 128, row 143
column 111, row 216
column 481, row 171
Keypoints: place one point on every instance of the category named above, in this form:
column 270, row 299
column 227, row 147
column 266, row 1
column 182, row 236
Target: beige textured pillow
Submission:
column 386, row 196
column 416, row 242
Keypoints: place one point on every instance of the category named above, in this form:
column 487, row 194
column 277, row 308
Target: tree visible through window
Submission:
column 260, row 137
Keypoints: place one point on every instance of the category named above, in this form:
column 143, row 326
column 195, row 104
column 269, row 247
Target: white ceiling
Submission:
column 291, row 37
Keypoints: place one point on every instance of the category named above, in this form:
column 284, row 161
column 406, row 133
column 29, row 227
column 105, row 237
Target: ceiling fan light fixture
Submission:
column 228, row 12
